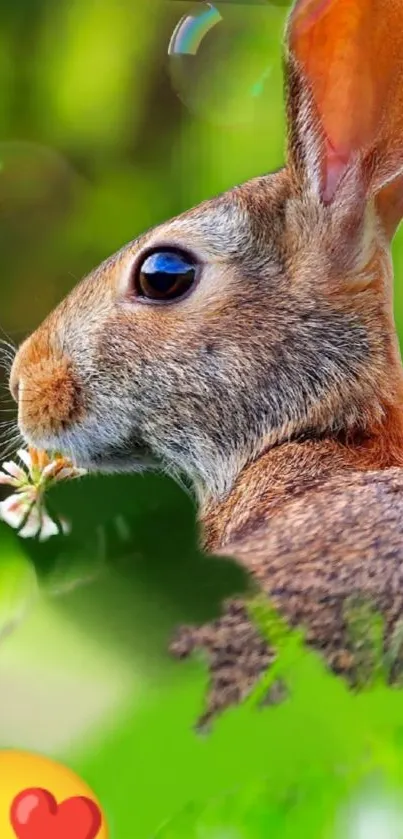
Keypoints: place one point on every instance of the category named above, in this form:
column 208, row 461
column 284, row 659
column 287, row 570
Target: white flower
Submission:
column 375, row 814
column 25, row 509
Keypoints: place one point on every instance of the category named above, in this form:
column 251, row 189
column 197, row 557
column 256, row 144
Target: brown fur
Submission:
column 310, row 563
column 53, row 400
column 276, row 386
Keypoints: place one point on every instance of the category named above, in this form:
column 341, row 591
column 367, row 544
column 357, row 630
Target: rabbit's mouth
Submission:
column 96, row 453
column 115, row 459
column 108, row 459
column 88, row 445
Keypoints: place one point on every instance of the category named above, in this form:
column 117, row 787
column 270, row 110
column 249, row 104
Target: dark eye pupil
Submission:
column 165, row 275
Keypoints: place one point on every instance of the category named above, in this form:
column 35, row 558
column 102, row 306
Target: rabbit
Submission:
column 249, row 345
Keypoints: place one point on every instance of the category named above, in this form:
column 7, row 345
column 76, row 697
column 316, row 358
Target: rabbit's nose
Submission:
column 45, row 386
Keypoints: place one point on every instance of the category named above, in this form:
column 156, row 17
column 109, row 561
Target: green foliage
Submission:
column 18, row 583
column 128, row 574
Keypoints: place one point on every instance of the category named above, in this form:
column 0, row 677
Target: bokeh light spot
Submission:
column 210, row 43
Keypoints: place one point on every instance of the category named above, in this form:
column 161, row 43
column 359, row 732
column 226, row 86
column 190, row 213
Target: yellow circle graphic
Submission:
column 63, row 803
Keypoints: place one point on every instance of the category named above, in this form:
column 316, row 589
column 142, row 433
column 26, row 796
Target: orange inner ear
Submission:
column 328, row 40
column 351, row 55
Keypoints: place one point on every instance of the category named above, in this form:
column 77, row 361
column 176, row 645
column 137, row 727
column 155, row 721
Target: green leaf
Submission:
column 18, row 582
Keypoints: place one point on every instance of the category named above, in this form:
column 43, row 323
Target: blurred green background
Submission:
column 115, row 116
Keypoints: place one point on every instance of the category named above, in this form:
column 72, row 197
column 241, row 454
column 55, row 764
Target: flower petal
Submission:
column 39, row 458
column 8, row 480
column 52, row 470
column 66, row 526
column 79, row 473
column 49, row 527
column 69, row 473
column 61, row 470
column 33, row 523
column 14, row 509
column 25, row 457
column 15, row 471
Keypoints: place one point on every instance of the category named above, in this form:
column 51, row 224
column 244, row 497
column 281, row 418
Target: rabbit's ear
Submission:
column 345, row 96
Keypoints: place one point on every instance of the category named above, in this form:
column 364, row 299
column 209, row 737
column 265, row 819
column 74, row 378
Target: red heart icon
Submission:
column 35, row 814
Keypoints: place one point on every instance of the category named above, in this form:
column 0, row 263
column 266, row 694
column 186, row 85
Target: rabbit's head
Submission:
column 262, row 315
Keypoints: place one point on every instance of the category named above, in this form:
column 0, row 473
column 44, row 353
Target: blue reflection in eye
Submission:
column 165, row 275
column 165, row 262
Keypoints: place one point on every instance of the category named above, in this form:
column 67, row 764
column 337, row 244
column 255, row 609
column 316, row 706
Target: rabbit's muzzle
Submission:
column 46, row 389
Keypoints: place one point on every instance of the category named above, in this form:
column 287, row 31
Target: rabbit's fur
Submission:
column 276, row 386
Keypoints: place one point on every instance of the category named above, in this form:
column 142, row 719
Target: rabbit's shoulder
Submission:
column 335, row 538
column 327, row 557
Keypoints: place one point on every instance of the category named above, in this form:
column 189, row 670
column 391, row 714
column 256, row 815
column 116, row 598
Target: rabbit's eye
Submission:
column 165, row 275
